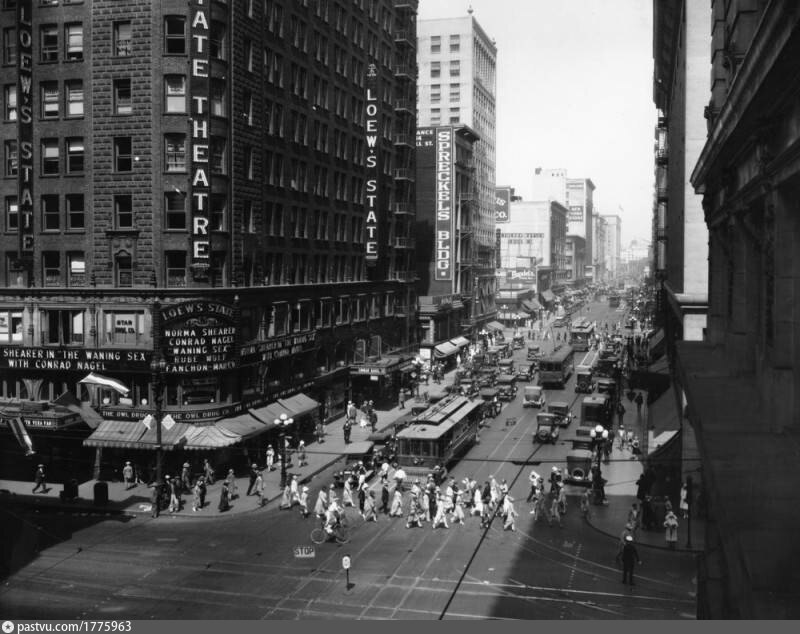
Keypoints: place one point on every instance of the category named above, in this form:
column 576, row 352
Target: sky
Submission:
column 574, row 91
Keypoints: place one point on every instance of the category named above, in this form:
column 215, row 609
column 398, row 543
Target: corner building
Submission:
column 207, row 207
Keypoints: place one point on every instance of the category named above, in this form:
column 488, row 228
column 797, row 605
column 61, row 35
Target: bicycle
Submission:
column 341, row 533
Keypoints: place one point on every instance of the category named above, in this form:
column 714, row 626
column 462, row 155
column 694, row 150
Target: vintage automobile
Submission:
column 562, row 410
column 547, row 428
column 607, row 386
column 534, row 353
column 487, row 377
column 518, row 342
column 506, row 366
column 533, row 396
column 491, row 400
column 506, row 385
column 579, row 467
column 584, row 380
column 525, row 372
column 359, row 458
column 468, row 387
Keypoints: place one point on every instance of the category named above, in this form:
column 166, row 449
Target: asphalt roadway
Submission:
column 247, row 566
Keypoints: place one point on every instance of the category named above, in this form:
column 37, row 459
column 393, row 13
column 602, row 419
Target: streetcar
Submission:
column 425, row 444
column 557, row 367
column 581, row 334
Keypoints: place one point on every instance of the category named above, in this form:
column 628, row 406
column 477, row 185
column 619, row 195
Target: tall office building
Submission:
column 208, row 213
column 613, row 244
column 457, row 86
column 580, row 204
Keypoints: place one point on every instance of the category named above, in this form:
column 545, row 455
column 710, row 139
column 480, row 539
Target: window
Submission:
column 10, row 102
column 12, row 214
column 51, row 268
column 250, row 55
column 123, row 160
column 10, row 326
column 436, row 43
column 124, row 326
column 77, row 269
column 9, row 46
column 75, row 158
column 455, row 68
column 123, row 211
column 62, row 327
column 436, row 69
column 10, row 160
column 73, row 37
column 175, row 152
column 247, row 114
column 49, row 99
column 50, row 159
column 455, row 43
column 123, row 45
column 123, row 104
column 73, row 94
column 249, row 217
column 218, row 89
column 51, row 215
column 219, row 206
column 175, row 35
column 217, row 155
column 175, row 93
column 48, row 42
column 455, row 92
column 176, row 268
column 123, row 271
column 216, row 40
column 175, row 210
column 249, row 166
column 75, row 211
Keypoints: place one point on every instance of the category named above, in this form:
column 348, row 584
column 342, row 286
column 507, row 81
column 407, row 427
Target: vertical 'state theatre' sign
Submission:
column 25, row 129
column 444, row 203
column 199, row 90
column 371, row 197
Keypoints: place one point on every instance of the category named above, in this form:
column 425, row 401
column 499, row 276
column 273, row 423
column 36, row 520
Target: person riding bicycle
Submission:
column 332, row 519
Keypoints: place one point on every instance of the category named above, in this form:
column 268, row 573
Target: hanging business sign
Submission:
column 502, row 204
column 372, row 126
column 25, row 131
column 444, row 204
column 199, row 65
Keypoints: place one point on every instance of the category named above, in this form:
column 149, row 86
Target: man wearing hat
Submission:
column 629, row 557
column 301, row 453
column 186, row 478
column 127, row 476
column 253, row 478
column 39, row 479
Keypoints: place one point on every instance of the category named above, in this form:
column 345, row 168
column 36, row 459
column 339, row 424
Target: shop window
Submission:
column 124, row 327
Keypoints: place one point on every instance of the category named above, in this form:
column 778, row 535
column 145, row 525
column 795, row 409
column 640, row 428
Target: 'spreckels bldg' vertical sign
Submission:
column 444, row 204
column 25, row 132
column 199, row 89
column 371, row 196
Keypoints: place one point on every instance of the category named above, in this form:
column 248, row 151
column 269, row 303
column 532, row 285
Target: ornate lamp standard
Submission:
column 599, row 436
column 157, row 367
column 283, row 422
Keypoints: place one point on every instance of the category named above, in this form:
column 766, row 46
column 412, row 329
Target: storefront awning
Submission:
column 547, row 296
column 460, row 342
column 245, row 425
column 268, row 413
column 209, row 437
column 531, row 305
column 445, row 349
column 299, row 405
column 494, row 325
column 134, row 435
column 104, row 381
column 656, row 339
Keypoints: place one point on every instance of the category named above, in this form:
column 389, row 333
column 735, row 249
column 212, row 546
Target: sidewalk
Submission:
column 621, row 474
column 137, row 499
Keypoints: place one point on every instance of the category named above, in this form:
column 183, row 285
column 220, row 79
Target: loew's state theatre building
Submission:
column 208, row 210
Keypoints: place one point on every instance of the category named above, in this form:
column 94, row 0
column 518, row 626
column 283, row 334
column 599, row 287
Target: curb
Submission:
column 638, row 543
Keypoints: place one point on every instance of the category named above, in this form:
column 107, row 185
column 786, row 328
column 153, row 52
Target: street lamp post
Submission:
column 283, row 422
column 599, row 436
column 157, row 366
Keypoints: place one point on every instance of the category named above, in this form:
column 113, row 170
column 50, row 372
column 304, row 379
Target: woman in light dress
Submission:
column 397, row 504
column 347, row 493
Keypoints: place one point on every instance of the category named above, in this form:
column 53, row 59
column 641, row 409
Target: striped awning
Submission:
column 134, row 435
column 299, row 405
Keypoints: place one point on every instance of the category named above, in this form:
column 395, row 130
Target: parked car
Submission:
column 506, row 384
column 534, row 353
column 547, row 428
column 533, row 396
column 525, row 372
